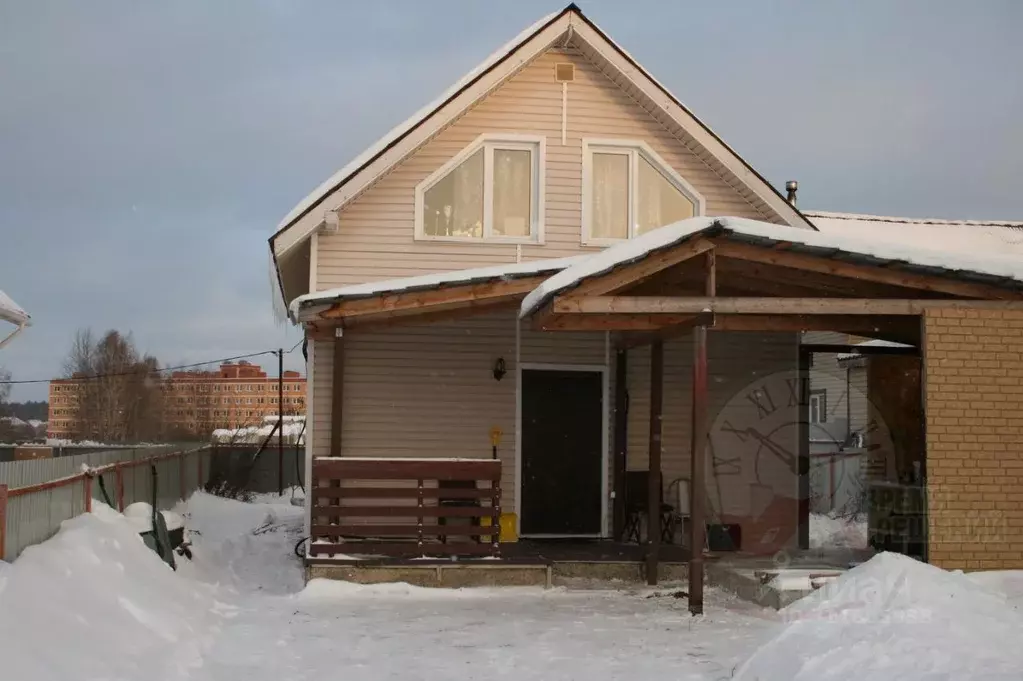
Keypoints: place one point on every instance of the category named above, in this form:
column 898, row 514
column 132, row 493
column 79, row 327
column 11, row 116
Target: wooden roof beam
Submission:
column 881, row 275
column 611, row 322
column 633, row 273
column 774, row 306
column 432, row 298
column 898, row 329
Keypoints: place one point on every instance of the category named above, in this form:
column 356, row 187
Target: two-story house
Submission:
column 502, row 275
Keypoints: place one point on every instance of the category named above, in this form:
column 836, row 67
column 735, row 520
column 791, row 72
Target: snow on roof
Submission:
column 926, row 254
column 254, row 434
column 408, row 124
column 428, row 281
column 11, row 311
column 873, row 343
column 988, row 235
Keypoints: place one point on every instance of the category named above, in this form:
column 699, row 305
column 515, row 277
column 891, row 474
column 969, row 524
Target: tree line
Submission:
column 123, row 396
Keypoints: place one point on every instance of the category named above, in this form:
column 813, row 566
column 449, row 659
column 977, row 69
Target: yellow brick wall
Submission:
column 973, row 383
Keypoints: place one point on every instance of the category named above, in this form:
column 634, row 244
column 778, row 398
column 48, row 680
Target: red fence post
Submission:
column 119, row 483
column 88, row 493
column 3, row 519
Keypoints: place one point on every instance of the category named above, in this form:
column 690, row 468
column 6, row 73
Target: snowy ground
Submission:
column 93, row 603
column 837, row 531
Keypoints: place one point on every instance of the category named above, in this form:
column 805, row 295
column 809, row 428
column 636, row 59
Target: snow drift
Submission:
column 241, row 546
column 837, row 531
column 899, row 619
column 94, row 602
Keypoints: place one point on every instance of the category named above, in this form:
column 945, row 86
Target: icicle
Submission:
column 280, row 308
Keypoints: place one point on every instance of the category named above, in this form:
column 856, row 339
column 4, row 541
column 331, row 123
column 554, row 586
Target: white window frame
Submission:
column 820, row 399
column 535, row 144
column 633, row 149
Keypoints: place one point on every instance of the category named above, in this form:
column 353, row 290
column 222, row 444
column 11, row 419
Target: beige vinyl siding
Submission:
column 429, row 391
column 376, row 236
column 859, row 407
column 321, row 375
column 828, row 375
column 294, row 270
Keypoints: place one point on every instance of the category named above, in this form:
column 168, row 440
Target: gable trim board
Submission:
column 410, row 135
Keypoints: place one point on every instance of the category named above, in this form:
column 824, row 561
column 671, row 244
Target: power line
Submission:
column 136, row 372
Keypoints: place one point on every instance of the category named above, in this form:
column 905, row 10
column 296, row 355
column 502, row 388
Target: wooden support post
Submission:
column 697, row 450
column 697, row 487
column 3, row 520
column 710, row 273
column 337, row 391
column 653, row 526
column 119, row 485
column 805, row 357
column 621, row 443
column 87, row 491
column 336, row 402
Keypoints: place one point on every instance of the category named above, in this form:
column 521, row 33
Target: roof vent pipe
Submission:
column 790, row 191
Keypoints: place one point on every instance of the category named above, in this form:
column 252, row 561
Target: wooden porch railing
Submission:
column 404, row 507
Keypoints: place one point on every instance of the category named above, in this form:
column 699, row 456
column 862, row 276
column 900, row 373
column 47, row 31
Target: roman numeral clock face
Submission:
column 753, row 451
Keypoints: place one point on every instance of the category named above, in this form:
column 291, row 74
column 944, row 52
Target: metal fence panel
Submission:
column 35, row 517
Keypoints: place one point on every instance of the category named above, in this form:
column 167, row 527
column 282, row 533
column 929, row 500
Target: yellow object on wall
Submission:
column 508, row 522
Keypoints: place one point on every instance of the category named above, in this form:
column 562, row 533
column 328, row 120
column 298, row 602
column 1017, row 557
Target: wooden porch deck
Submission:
column 525, row 552
column 545, row 563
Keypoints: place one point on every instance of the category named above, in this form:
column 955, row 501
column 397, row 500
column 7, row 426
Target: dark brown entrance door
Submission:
column 561, row 452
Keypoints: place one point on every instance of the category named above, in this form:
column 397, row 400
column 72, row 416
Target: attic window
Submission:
column 628, row 189
column 492, row 190
column 564, row 72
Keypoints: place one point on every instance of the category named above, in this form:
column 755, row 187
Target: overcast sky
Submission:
column 148, row 149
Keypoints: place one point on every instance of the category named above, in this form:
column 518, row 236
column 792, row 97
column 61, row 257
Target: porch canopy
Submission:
column 693, row 277
column 734, row 274
column 429, row 297
column 746, row 275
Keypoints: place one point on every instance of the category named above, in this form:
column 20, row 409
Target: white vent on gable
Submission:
column 564, row 72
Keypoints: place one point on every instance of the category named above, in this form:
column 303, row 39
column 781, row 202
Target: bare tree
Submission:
column 118, row 396
column 5, row 389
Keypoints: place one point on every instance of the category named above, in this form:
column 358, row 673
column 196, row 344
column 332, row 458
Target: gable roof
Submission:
column 404, row 139
column 985, row 267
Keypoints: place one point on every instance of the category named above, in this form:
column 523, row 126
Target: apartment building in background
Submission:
column 196, row 402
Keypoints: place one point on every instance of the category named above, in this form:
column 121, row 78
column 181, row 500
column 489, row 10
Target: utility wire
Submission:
column 137, row 372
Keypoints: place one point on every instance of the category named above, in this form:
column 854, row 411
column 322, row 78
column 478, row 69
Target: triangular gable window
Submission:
column 492, row 190
column 629, row 190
